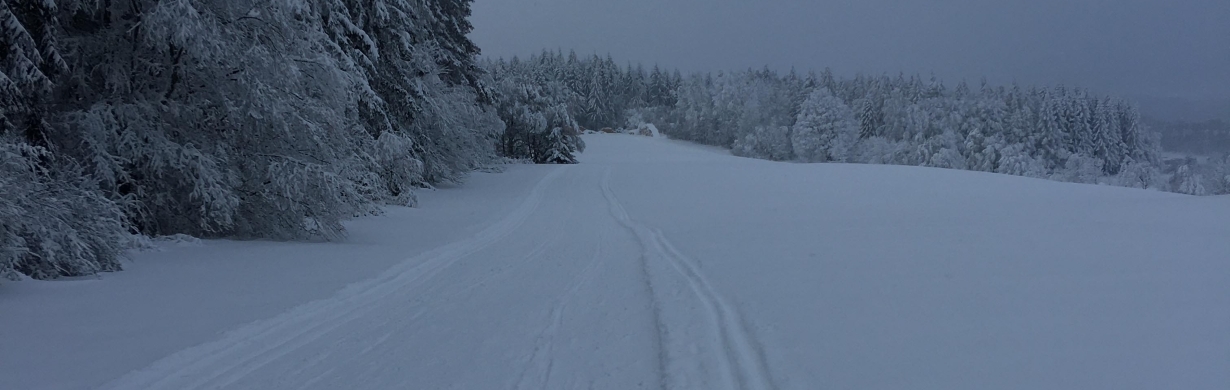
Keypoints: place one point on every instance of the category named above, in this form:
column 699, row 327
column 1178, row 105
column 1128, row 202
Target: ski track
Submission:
column 545, row 342
column 504, row 268
column 381, row 319
column 741, row 361
column 240, row 352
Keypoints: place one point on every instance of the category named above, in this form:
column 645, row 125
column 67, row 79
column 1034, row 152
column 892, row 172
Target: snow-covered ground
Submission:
column 659, row 264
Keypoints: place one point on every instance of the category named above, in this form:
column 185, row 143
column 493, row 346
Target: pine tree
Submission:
column 561, row 147
column 30, row 62
column 870, row 111
column 450, row 28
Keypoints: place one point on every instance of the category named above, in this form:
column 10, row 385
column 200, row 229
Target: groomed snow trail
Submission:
column 242, row 352
column 553, row 295
column 659, row 265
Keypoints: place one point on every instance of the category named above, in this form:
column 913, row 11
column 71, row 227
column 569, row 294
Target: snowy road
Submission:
column 659, row 265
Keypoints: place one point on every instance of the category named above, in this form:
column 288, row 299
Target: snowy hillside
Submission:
column 660, row 264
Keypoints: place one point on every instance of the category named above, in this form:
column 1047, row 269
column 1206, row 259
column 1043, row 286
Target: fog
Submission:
column 1139, row 48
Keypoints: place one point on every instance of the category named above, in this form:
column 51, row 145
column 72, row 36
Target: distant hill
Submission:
column 1184, row 109
column 1209, row 138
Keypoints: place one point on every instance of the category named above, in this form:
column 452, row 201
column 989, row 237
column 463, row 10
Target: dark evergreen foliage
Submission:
column 221, row 118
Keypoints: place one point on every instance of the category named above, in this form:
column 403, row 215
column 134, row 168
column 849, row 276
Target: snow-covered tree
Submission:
column 449, row 26
column 771, row 142
column 1138, row 175
column 1080, row 168
column 53, row 221
column 539, row 126
column 30, row 61
column 561, row 148
column 273, row 119
column 1186, row 181
column 825, row 130
column 1015, row 159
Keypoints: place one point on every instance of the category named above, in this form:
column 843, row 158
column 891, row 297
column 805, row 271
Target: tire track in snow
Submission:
column 741, row 359
column 245, row 350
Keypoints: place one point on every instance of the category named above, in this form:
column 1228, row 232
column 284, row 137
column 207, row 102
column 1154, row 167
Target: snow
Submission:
column 81, row 333
column 653, row 130
column 660, row 264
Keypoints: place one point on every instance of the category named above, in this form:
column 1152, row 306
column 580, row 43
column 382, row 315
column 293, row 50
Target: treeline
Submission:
column 228, row 118
column 1059, row 133
column 1062, row 133
column 595, row 91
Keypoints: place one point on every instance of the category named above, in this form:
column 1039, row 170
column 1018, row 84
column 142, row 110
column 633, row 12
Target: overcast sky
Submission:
column 1175, row 48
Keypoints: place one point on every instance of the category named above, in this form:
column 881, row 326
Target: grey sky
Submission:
column 1178, row 48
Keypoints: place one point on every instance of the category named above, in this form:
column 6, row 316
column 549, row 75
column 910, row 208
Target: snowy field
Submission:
column 660, row 264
